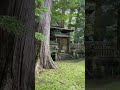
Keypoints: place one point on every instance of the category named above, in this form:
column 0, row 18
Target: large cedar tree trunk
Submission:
column 17, row 53
column 44, row 27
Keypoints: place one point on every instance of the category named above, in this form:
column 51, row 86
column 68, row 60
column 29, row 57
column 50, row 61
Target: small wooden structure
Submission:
column 60, row 39
column 103, row 56
column 102, row 52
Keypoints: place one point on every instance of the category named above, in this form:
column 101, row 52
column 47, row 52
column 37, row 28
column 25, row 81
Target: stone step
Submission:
column 65, row 56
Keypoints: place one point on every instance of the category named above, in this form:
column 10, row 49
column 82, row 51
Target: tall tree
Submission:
column 44, row 27
column 17, row 53
column 98, row 33
column 70, row 18
column 62, row 22
column 118, row 32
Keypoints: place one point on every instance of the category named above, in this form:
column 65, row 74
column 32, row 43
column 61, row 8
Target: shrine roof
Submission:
column 61, row 29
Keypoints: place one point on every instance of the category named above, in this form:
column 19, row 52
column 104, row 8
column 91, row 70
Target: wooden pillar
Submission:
column 68, row 40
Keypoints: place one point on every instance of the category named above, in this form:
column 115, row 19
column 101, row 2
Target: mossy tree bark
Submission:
column 17, row 53
column 44, row 27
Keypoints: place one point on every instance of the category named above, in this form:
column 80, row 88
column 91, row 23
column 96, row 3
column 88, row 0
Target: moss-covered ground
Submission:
column 69, row 76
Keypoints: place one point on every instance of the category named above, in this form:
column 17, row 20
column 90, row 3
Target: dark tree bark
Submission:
column 44, row 27
column 62, row 22
column 118, row 33
column 17, row 53
column 98, row 32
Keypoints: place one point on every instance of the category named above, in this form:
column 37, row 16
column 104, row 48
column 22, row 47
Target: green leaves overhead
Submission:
column 62, row 5
column 72, row 12
column 69, row 12
column 39, row 2
column 62, row 9
column 38, row 11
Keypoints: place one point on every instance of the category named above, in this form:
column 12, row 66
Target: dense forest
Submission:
column 25, row 36
column 102, row 39
column 102, row 61
column 46, row 44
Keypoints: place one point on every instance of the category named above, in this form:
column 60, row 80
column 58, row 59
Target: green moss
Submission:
column 69, row 76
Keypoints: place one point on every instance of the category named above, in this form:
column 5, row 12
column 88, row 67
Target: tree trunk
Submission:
column 17, row 53
column 118, row 33
column 98, row 33
column 77, row 19
column 70, row 19
column 62, row 22
column 76, row 26
column 44, row 27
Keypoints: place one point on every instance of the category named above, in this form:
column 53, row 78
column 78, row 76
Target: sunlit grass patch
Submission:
column 69, row 76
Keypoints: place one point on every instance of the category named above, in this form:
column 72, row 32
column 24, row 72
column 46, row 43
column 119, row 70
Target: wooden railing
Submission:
column 102, row 58
column 100, row 49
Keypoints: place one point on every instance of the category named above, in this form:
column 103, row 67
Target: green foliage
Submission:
column 11, row 24
column 39, row 9
column 77, row 16
column 80, row 23
column 39, row 2
column 74, row 10
column 69, row 76
column 40, row 36
column 65, row 5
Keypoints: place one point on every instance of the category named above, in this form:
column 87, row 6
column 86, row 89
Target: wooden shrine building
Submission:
column 59, row 40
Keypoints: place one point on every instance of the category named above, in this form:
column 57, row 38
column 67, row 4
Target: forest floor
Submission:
column 106, row 84
column 69, row 76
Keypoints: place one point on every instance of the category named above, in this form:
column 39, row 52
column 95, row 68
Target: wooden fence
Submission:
column 102, row 58
column 99, row 49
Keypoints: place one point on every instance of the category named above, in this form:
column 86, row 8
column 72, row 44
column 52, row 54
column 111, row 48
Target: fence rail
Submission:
column 100, row 49
column 103, row 59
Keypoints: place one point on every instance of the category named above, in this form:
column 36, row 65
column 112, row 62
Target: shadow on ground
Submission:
column 72, row 61
column 111, row 84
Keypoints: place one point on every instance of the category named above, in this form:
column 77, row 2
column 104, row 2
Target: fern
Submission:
column 40, row 36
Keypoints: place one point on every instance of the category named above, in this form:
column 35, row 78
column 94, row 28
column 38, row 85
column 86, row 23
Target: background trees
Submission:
column 68, row 13
column 73, row 16
column 17, row 56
